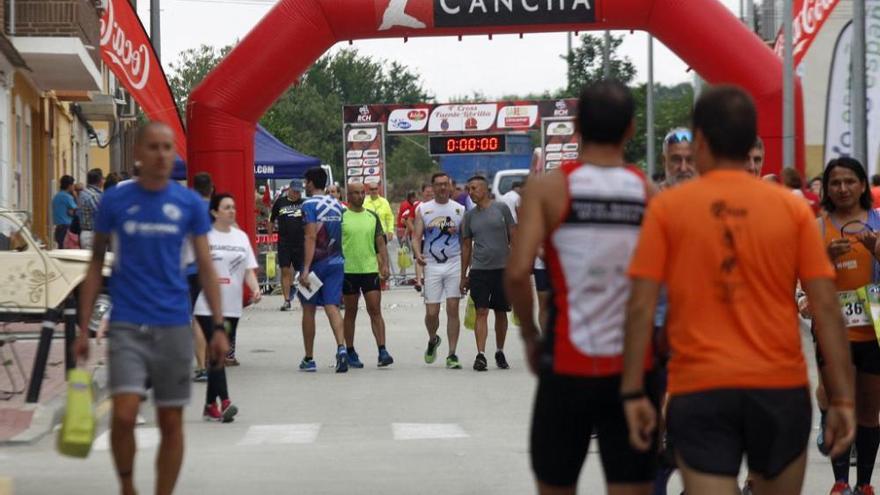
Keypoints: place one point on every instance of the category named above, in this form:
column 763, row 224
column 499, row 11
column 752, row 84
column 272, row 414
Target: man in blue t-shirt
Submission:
column 63, row 209
column 150, row 336
column 323, row 257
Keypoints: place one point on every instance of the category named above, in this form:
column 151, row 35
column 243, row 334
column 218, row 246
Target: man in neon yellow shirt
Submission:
column 380, row 206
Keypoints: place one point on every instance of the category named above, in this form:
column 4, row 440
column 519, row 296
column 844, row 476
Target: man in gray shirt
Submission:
column 485, row 245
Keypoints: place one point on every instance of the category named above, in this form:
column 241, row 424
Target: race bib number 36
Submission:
column 854, row 314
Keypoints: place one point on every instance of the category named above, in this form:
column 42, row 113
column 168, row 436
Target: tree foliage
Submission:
column 190, row 68
column 585, row 63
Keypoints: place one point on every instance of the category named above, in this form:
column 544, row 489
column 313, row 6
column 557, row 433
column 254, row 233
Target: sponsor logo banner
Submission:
column 367, row 142
column 458, row 118
column 517, row 117
column 809, row 16
column 468, row 13
column 559, row 140
column 126, row 49
column 408, row 120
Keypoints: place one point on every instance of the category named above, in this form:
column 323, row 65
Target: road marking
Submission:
column 425, row 431
column 145, row 438
column 281, row 434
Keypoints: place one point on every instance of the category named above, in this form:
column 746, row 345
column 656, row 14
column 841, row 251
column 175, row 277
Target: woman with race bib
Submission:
column 849, row 226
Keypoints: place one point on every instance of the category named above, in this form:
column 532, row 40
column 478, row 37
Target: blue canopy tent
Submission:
column 272, row 159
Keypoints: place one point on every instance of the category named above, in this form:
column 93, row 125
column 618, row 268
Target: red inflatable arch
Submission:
column 224, row 109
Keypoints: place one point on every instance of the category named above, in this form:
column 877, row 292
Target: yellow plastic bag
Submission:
column 470, row 315
column 271, row 265
column 404, row 260
column 78, row 427
column 514, row 319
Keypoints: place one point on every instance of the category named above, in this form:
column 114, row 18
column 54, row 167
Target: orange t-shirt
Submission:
column 854, row 269
column 875, row 195
column 730, row 249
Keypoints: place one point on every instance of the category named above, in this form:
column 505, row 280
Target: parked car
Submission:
column 33, row 279
column 505, row 179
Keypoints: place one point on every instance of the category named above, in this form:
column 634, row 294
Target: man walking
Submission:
column 485, row 245
column 366, row 263
column 150, row 334
column 323, row 257
column 287, row 211
column 87, row 206
column 63, row 209
column 437, row 226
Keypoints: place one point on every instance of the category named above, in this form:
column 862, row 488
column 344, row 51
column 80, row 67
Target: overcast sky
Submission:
column 505, row 65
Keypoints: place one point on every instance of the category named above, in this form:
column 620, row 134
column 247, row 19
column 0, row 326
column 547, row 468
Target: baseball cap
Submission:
column 296, row 185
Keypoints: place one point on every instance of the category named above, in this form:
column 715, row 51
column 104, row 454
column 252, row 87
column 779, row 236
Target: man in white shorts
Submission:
column 437, row 246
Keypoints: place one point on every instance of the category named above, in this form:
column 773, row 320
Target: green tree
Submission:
column 190, row 68
column 672, row 108
column 585, row 64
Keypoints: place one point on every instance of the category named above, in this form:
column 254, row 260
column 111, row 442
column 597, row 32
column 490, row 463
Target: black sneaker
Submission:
column 480, row 364
column 431, row 351
column 341, row 362
column 285, row 306
column 501, row 361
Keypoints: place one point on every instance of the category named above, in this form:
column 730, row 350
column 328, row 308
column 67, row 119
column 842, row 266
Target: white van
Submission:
column 505, row 179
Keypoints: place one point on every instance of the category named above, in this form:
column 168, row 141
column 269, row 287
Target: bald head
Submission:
column 154, row 149
column 356, row 193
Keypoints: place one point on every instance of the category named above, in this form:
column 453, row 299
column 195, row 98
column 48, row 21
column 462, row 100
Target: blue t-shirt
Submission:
column 149, row 229
column 62, row 203
column 325, row 211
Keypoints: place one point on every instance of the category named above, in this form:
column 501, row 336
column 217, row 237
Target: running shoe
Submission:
column 385, row 359
column 865, row 490
column 841, row 488
column 201, row 375
column 480, row 363
column 431, row 351
column 231, row 361
column 285, row 306
column 354, row 360
column 308, row 365
column 452, row 362
column 228, row 410
column 501, row 360
column 212, row 413
column 342, row 362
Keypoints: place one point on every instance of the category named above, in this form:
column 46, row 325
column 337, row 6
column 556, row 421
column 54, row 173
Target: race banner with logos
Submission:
column 838, row 129
column 559, row 140
column 365, row 154
column 470, row 13
column 126, row 49
column 809, row 16
column 424, row 118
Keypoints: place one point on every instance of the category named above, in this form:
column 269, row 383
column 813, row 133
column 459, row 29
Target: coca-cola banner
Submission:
column 809, row 16
column 838, row 124
column 126, row 49
column 522, row 115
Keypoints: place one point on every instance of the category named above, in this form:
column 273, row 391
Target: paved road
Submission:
column 411, row 429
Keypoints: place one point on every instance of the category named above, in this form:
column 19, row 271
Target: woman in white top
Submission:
column 235, row 263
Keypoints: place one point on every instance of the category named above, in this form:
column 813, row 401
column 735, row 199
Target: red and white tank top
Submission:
column 587, row 257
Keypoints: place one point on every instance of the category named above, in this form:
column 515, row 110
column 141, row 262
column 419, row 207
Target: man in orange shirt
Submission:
column 737, row 378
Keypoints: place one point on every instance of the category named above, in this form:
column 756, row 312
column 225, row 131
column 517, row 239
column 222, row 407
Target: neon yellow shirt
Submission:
column 382, row 208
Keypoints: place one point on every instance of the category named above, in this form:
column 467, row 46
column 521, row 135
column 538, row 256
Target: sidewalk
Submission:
column 23, row 422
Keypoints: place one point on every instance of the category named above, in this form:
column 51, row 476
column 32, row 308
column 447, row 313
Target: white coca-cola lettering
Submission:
column 807, row 21
column 134, row 61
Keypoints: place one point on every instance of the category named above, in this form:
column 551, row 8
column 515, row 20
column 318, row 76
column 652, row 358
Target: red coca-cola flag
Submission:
column 126, row 49
column 809, row 16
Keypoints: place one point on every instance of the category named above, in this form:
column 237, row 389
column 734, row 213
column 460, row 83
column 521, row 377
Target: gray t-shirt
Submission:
column 488, row 228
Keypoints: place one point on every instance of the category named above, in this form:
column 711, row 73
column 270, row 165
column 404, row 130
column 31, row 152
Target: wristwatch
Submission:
column 220, row 327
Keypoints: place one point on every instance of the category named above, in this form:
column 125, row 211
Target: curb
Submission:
column 47, row 416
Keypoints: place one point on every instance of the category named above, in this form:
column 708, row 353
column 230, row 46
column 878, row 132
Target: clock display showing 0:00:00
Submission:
column 446, row 145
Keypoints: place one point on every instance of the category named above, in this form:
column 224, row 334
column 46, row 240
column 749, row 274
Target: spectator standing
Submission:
column 513, row 199
column 204, row 186
column 382, row 208
column 63, row 209
column 87, row 206
column 287, row 211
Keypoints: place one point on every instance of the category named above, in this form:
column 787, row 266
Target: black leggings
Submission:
column 217, row 386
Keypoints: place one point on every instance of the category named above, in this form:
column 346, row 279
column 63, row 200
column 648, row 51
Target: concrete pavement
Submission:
column 410, row 429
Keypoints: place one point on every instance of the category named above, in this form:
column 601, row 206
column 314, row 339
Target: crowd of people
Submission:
column 666, row 321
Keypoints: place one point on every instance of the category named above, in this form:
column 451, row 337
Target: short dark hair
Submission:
column 759, row 144
column 425, row 186
column 66, row 181
column 111, row 180
column 727, row 118
column 93, row 178
column 411, row 195
column 216, row 200
column 605, row 112
column 479, row 178
column 792, row 179
column 875, row 180
column 846, row 162
column 144, row 129
column 438, row 175
column 203, row 184
column 317, row 176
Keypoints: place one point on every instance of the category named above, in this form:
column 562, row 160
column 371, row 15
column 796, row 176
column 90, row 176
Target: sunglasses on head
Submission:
column 679, row 136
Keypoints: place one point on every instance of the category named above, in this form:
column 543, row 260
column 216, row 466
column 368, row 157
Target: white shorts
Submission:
column 442, row 282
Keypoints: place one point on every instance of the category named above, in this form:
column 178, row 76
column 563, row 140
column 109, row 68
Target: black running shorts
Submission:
column 712, row 430
column 487, row 290
column 357, row 283
column 195, row 288
column 567, row 411
column 865, row 356
column 542, row 280
column 290, row 255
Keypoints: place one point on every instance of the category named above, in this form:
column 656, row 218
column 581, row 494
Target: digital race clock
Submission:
column 468, row 144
